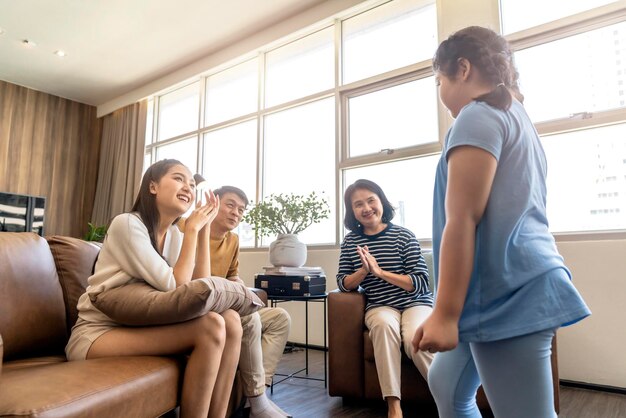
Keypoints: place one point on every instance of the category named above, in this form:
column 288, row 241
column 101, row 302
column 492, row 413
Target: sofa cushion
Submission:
column 106, row 387
column 138, row 303
column 32, row 312
column 74, row 259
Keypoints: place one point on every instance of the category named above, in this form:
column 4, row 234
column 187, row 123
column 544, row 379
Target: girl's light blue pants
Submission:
column 516, row 375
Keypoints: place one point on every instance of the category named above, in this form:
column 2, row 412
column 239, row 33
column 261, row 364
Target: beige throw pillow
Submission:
column 139, row 304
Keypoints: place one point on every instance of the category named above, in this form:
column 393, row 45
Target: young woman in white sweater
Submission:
column 146, row 243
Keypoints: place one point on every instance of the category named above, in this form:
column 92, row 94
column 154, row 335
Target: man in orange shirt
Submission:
column 264, row 332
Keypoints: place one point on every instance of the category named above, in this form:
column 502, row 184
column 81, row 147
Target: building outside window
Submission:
column 570, row 75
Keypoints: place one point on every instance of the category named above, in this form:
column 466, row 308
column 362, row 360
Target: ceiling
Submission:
column 115, row 46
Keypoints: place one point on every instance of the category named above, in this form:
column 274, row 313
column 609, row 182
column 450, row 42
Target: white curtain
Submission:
column 121, row 161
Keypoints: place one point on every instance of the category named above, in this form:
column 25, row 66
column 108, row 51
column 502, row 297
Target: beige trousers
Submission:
column 388, row 329
column 265, row 334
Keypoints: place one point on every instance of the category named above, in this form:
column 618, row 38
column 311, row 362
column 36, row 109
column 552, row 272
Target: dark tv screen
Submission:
column 22, row 213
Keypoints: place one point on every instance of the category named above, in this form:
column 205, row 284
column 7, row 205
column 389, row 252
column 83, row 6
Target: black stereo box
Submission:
column 291, row 285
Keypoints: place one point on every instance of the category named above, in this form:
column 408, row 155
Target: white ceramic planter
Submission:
column 287, row 251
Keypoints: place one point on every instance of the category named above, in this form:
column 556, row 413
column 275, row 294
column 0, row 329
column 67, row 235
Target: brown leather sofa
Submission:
column 351, row 366
column 40, row 283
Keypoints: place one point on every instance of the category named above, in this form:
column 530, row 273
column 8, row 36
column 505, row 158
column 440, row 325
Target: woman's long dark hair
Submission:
column 145, row 204
column 487, row 51
column 350, row 220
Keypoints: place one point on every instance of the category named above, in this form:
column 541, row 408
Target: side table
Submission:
column 323, row 297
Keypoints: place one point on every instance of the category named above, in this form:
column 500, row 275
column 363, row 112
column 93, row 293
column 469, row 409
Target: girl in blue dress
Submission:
column 502, row 287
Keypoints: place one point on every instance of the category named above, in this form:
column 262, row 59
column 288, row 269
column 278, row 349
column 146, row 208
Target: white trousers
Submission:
column 390, row 330
column 265, row 334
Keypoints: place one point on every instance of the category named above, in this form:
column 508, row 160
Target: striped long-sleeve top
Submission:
column 396, row 250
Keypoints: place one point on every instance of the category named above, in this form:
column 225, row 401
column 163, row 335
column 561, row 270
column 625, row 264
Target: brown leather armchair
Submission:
column 351, row 367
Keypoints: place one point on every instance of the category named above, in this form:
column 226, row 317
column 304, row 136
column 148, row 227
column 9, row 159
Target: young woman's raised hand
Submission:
column 203, row 215
column 213, row 202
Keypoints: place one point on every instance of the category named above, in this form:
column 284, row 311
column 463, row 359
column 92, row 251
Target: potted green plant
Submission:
column 286, row 215
column 95, row 233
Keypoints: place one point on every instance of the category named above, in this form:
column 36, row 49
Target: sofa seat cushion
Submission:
column 106, row 387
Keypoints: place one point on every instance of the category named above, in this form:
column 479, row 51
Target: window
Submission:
column 232, row 92
column 147, row 160
column 297, row 145
column 184, row 151
column 300, row 68
column 229, row 159
column 395, row 117
column 578, row 187
column 570, row 75
column 284, row 121
column 314, row 111
column 518, row 15
column 391, row 131
column 178, row 111
column 394, row 35
column 580, row 72
column 149, row 121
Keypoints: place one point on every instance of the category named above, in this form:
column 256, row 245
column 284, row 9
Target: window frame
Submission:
column 527, row 38
column 341, row 94
column 565, row 27
column 395, row 78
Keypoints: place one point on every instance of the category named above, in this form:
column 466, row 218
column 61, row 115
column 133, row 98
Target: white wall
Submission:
column 591, row 351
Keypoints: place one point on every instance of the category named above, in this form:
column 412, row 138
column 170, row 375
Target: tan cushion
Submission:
column 74, row 259
column 139, row 304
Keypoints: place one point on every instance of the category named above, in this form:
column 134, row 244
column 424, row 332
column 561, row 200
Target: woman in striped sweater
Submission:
column 385, row 260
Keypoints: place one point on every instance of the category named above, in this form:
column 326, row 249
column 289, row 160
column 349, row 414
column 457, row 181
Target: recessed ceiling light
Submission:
column 59, row 53
column 28, row 42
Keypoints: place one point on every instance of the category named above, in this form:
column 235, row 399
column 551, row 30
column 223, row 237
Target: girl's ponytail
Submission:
column 500, row 97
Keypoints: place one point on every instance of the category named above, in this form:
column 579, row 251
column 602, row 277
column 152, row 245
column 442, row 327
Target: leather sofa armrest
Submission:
column 262, row 294
column 1, row 354
column 346, row 315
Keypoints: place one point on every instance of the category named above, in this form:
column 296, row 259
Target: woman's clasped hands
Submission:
column 369, row 261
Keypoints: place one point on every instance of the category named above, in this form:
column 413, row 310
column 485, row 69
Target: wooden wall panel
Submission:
column 50, row 147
